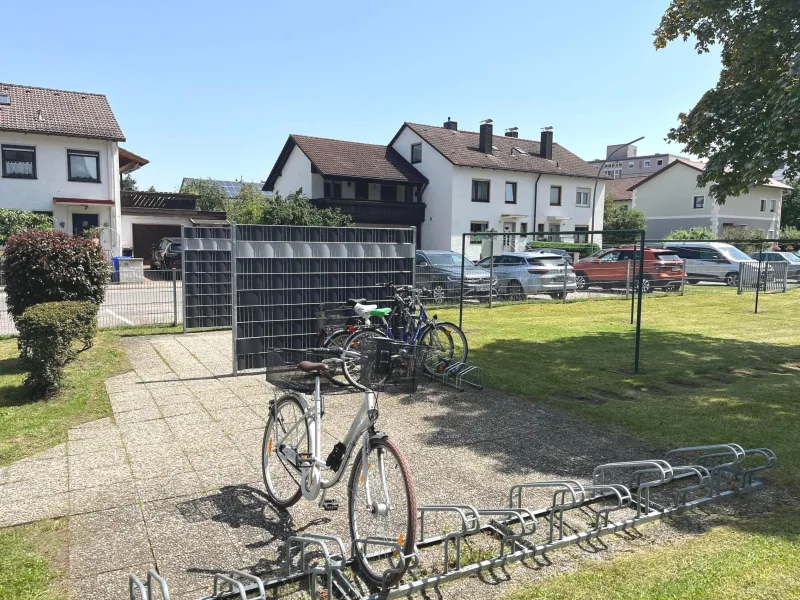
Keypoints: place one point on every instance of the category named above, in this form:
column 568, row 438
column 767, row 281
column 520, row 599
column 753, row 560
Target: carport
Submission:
column 147, row 234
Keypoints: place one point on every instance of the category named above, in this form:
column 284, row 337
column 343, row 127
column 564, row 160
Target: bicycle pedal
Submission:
column 330, row 504
column 305, row 459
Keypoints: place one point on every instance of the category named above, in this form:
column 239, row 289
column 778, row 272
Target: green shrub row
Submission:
column 583, row 249
column 50, row 334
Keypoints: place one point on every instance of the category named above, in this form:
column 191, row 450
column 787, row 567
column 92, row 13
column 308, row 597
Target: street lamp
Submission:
column 597, row 177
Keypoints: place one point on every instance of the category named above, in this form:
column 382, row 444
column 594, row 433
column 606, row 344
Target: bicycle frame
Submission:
column 310, row 465
column 421, row 325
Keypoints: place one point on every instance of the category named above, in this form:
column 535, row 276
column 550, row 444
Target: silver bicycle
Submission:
column 382, row 505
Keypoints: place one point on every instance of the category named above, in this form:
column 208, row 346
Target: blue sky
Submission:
column 212, row 89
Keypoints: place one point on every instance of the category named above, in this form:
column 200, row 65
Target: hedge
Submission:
column 47, row 336
column 14, row 220
column 52, row 266
column 583, row 249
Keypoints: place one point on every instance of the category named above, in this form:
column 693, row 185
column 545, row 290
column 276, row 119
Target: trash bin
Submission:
column 115, row 268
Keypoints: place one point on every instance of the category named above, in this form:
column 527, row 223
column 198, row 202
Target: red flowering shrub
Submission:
column 52, row 266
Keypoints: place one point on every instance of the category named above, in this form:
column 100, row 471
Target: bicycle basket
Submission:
column 388, row 364
column 282, row 371
column 335, row 316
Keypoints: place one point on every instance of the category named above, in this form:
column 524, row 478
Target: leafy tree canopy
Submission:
column 128, row 183
column 211, row 194
column 747, row 126
column 695, row 233
column 13, row 220
column 790, row 207
column 252, row 207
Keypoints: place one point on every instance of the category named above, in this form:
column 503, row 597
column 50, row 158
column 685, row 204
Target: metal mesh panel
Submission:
column 207, row 277
column 285, row 274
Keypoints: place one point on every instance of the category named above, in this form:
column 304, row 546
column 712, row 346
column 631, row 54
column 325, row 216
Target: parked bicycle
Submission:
column 444, row 342
column 382, row 506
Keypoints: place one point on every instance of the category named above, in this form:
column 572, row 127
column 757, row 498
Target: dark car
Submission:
column 166, row 254
column 440, row 272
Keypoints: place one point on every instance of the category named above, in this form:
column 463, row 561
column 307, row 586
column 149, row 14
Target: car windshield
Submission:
column 448, row 260
column 174, row 247
column 735, row 254
column 666, row 256
column 792, row 258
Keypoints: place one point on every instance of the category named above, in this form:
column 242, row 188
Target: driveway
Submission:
column 174, row 480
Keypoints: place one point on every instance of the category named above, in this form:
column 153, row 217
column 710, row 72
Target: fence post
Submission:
column 683, row 279
column 758, row 276
column 174, row 297
column 629, row 284
column 491, row 269
column 566, row 273
column 628, row 281
column 639, row 305
column 741, row 277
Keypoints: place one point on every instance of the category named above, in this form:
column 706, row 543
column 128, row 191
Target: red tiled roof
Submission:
column 461, row 148
column 619, row 188
column 59, row 112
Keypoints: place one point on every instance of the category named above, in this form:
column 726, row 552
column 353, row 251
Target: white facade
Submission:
column 52, row 182
column 450, row 211
column 671, row 200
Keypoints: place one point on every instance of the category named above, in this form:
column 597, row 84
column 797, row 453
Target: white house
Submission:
column 61, row 156
column 447, row 182
column 670, row 199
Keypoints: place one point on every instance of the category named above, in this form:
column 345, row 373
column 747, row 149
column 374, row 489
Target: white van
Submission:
column 710, row 261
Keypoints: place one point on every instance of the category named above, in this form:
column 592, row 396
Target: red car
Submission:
column 609, row 269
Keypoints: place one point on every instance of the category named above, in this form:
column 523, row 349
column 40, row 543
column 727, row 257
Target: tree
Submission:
column 128, row 183
column 152, row 188
column 248, row 206
column 790, row 207
column 252, row 207
column 211, row 194
column 14, row 220
column 747, row 124
column 622, row 217
column 695, row 233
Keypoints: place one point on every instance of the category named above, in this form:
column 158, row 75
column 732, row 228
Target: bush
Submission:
column 47, row 336
column 583, row 249
column 52, row 266
column 13, row 220
column 696, row 233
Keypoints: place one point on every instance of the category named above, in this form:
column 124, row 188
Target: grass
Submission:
column 33, row 561
column 711, row 372
column 26, row 426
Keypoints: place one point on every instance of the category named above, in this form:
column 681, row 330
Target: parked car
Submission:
column 710, row 261
column 609, row 269
column 560, row 251
column 520, row 274
column 166, row 254
column 440, row 272
column 792, row 260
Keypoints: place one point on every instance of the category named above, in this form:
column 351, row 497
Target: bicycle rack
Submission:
column 458, row 375
column 689, row 477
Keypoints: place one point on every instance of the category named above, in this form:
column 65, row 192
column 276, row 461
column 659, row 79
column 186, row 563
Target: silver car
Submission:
column 710, row 261
column 521, row 274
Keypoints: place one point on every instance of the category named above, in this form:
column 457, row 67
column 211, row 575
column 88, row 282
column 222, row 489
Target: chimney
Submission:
column 452, row 125
column 485, row 143
column 546, row 145
column 512, row 132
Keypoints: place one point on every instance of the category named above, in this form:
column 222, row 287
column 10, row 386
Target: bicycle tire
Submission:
column 337, row 339
column 442, row 349
column 402, row 532
column 281, row 469
column 351, row 358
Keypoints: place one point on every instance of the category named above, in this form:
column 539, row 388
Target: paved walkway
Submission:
column 174, row 480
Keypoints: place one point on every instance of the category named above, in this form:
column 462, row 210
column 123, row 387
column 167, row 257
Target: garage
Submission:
column 147, row 234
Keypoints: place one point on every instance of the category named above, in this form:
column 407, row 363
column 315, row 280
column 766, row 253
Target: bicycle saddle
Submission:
column 354, row 301
column 312, row 367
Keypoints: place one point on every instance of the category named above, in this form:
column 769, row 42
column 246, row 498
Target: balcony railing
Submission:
column 364, row 211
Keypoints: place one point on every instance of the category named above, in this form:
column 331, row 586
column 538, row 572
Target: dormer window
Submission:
column 5, row 99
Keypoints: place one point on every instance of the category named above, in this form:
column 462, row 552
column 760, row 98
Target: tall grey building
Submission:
column 622, row 161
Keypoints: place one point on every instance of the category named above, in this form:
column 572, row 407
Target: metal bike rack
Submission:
column 459, row 375
column 687, row 477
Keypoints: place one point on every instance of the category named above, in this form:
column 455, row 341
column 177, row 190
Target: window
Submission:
column 523, row 229
column 659, row 162
column 773, row 205
column 763, row 205
column 554, row 228
column 83, row 165
column 480, row 190
column 555, row 195
column 771, row 234
column 581, row 238
column 631, row 164
column 582, row 197
column 698, row 201
column 47, row 213
column 388, row 193
column 511, row 192
column 478, row 227
column 540, row 227
column 362, row 190
column 5, row 99
column 647, row 164
column 19, row 161
column 416, row 153
column 333, row 189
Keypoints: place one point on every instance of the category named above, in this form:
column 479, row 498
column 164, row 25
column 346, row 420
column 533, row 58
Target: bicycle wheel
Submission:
column 281, row 479
column 351, row 355
column 337, row 339
column 445, row 344
column 392, row 516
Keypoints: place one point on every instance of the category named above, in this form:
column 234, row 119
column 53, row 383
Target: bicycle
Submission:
column 445, row 341
column 382, row 506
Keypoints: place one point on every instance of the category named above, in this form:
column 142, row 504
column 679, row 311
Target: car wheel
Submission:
column 732, row 279
column 693, row 281
column 439, row 294
column 557, row 296
column 581, row 280
column 672, row 287
column 515, row 291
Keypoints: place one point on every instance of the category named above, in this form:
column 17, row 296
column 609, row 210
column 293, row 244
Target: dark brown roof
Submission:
column 461, row 148
column 157, row 200
column 620, row 188
column 58, row 112
column 338, row 158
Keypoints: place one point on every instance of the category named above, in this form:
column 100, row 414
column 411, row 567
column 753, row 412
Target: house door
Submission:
column 82, row 222
column 555, row 228
column 509, row 240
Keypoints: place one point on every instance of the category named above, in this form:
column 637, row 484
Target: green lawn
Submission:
column 33, row 561
column 711, row 372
